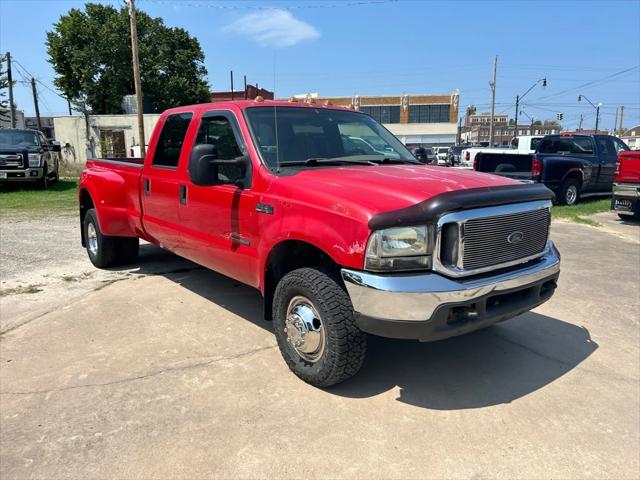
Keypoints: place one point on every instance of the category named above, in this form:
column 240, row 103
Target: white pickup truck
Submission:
column 525, row 144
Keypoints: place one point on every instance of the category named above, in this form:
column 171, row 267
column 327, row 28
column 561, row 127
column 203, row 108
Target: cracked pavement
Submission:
column 167, row 370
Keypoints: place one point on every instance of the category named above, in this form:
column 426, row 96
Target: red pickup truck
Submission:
column 626, row 186
column 333, row 220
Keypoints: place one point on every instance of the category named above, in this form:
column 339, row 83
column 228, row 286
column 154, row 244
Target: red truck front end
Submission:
column 333, row 220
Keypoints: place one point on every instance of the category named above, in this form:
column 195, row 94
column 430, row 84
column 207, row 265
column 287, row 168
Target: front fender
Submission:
column 341, row 238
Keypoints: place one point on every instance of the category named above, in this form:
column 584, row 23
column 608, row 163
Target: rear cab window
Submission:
column 171, row 139
column 558, row 144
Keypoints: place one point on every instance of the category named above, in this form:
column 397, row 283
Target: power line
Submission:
column 297, row 6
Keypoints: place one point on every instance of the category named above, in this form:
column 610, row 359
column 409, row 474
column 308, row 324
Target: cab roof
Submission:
column 244, row 104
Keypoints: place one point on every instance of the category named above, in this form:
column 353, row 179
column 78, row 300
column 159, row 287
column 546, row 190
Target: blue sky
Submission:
column 377, row 47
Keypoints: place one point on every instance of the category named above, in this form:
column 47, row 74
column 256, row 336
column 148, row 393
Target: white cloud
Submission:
column 273, row 28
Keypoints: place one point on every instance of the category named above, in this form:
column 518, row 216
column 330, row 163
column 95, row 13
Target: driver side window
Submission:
column 218, row 131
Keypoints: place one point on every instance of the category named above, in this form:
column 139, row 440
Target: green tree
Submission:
column 5, row 111
column 90, row 51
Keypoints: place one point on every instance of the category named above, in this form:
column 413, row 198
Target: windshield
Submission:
column 18, row 138
column 429, row 150
column 315, row 134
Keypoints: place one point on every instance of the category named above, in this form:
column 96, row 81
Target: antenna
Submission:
column 275, row 115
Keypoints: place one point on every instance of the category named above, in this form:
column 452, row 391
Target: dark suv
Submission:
column 27, row 156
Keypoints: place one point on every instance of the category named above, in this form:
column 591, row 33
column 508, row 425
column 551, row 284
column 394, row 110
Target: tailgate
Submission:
column 512, row 165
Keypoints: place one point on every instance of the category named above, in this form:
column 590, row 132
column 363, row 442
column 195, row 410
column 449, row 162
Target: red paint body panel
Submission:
column 219, row 227
column 628, row 170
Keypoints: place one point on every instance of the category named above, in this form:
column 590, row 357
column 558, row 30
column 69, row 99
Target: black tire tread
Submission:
column 111, row 250
column 346, row 347
column 562, row 191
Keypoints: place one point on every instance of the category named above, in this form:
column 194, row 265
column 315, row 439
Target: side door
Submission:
column 607, row 157
column 49, row 156
column 160, row 191
column 583, row 149
column 219, row 222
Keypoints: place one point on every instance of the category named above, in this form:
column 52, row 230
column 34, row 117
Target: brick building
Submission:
column 426, row 120
column 251, row 92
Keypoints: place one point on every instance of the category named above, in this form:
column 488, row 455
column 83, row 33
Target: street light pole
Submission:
column 597, row 107
column 520, row 97
column 136, row 75
column 493, row 100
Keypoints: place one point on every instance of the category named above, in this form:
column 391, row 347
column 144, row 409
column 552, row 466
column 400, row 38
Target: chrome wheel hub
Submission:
column 92, row 239
column 572, row 194
column 304, row 329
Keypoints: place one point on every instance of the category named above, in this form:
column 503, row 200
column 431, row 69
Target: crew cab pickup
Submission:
column 27, row 156
column 626, row 186
column 572, row 165
column 339, row 243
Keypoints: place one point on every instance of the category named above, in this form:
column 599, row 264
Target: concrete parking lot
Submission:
column 166, row 370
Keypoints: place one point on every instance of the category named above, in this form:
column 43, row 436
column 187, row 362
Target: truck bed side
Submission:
column 112, row 186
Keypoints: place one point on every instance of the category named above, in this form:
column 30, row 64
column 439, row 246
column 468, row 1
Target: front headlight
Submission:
column 34, row 159
column 398, row 248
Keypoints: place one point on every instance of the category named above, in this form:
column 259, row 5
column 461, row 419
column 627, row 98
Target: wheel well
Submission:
column 286, row 257
column 86, row 204
column 574, row 175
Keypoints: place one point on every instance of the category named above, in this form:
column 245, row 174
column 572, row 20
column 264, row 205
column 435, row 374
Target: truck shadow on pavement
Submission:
column 490, row 367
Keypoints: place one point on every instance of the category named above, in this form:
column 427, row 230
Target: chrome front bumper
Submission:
column 26, row 174
column 627, row 190
column 428, row 306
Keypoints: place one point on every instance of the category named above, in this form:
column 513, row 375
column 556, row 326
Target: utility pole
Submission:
column 597, row 117
column 35, row 103
column 12, row 107
column 136, row 75
column 459, row 131
column 615, row 124
column 245, row 87
column 515, row 126
column 232, row 85
column 621, row 117
column 493, row 100
column 69, row 105
column 580, row 124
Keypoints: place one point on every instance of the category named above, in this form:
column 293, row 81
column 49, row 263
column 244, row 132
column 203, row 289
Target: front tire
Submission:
column 105, row 251
column 315, row 328
column 43, row 183
column 569, row 192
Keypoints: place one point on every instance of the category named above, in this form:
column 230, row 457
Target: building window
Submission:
column 383, row 113
column 429, row 113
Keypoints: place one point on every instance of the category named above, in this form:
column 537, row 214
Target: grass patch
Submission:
column 60, row 197
column 579, row 213
column 20, row 290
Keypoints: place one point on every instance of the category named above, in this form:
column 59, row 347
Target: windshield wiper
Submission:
column 393, row 160
column 328, row 161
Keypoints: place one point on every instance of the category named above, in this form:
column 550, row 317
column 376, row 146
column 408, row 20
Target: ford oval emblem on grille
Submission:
column 515, row 237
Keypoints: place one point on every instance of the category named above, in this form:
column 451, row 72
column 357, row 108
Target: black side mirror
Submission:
column 204, row 167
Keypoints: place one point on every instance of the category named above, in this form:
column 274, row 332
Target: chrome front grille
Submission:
column 504, row 238
column 484, row 239
column 11, row 161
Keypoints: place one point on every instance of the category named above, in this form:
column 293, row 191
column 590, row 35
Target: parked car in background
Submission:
column 443, row 154
column 626, row 186
column 454, row 154
column 425, row 155
column 338, row 244
column 573, row 166
column 27, row 156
